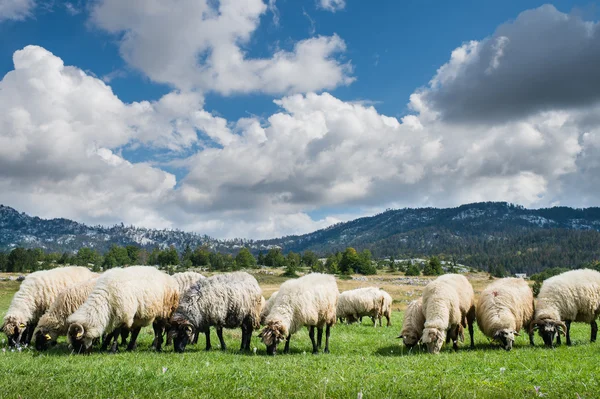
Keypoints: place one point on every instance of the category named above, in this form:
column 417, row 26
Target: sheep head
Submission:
column 506, row 337
column 80, row 342
column 272, row 335
column 410, row 339
column 14, row 328
column 182, row 332
column 44, row 338
column 433, row 338
column 548, row 329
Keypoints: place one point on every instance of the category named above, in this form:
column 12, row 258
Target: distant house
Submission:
column 521, row 275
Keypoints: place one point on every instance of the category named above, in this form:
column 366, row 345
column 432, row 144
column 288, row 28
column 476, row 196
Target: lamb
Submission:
column 308, row 301
column 132, row 297
column 36, row 294
column 225, row 301
column 54, row 322
column 267, row 307
column 448, row 305
column 413, row 324
column 504, row 307
column 570, row 296
column 369, row 301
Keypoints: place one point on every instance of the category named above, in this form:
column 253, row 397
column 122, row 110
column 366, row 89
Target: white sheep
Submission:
column 413, row 323
column 503, row 308
column 307, row 301
column 132, row 297
column 368, row 301
column 267, row 307
column 185, row 280
column 229, row 300
column 448, row 305
column 568, row 297
column 36, row 294
column 54, row 322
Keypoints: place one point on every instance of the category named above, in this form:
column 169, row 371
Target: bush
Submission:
column 412, row 270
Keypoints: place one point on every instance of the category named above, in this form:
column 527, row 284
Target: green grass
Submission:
column 363, row 359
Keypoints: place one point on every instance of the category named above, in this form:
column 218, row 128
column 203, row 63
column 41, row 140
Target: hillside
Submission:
column 480, row 235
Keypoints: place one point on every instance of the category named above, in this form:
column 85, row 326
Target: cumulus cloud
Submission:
column 332, row 5
column 16, row 9
column 544, row 60
column 200, row 45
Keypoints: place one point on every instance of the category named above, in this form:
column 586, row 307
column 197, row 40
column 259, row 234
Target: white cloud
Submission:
column 203, row 47
column 16, row 9
column 332, row 5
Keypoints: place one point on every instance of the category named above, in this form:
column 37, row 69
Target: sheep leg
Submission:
column 134, row 334
column 158, row 328
column 311, row 333
column 207, row 334
column 594, row 331
column 389, row 323
column 287, row 344
column 379, row 317
column 531, row 334
column 113, row 337
column 471, row 334
column 29, row 336
column 568, row 332
column 246, row 336
column 319, row 336
column 124, row 335
column 374, row 322
column 194, row 342
column 558, row 339
column 327, row 333
column 220, row 335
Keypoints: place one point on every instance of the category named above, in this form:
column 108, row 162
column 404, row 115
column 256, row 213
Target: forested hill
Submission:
column 480, row 235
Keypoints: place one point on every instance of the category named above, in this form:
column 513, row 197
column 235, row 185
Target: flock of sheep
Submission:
column 90, row 308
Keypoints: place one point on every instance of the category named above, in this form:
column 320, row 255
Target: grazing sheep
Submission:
column 448, row 304
column 132, row 297
column 413, row 324
column 225, row 301
column 369, row 301
column 267, row 307
column 36, row 294
column 570, row 296
column 504, row 307
column 308, row 301
column 54, row 322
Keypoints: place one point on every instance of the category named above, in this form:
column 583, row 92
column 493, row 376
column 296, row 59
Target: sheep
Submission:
column 448, row 305
column 308, row 301
column 567, row 297
column 185, row 281
column 360, row 302
column 36, row 294
column 54, row 322
column 132, row 297
column 267, row 307
column 225, row 301
column 386, row 310
column 413, row 324
column 503, row 308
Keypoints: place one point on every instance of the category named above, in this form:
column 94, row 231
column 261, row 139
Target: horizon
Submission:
column 281, row 118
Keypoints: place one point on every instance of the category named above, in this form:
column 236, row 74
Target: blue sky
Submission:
column 296, row 115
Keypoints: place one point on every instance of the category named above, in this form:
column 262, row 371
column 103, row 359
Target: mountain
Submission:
column 479, row 234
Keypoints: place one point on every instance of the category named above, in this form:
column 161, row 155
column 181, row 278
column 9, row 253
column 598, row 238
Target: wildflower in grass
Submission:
column 254, row 350
column 359, row 396
column 164, row 369
column 502, row 369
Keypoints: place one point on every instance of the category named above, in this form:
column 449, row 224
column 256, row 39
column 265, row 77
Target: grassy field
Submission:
column 364, row 361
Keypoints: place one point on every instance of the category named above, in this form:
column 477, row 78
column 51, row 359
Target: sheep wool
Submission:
column 131, row 297
column 54, row 322
column 186, row 280
column 504, row 308
column 413, row 324
column 311, row 301
column 448, row 303
column 229, row 300
column 573, row 296
column 36, row 294
column 267, row 307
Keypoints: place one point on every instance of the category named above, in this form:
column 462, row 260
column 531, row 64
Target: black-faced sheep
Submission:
column 504, row 307
column 308, row 301
column 230, row 300
column 563, row 299
column 132, row 297
column 448, row 305
column 36, row 294
column 413, row 324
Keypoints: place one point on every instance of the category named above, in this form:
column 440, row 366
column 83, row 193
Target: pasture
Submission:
column 364, row 361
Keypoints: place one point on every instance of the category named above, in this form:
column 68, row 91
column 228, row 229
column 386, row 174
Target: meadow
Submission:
column 364, row 362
